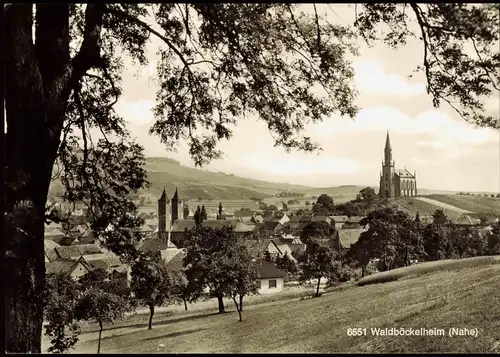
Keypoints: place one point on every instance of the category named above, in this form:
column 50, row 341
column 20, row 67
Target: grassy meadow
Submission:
column 427, row 267
column 478, row 204
column 466, row 296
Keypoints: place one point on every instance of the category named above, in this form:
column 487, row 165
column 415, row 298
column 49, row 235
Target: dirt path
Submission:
column 442, row 205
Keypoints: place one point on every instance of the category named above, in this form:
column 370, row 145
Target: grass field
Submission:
column 412, row 205
column 478, row 204
column 427, row 267
column 457, row 298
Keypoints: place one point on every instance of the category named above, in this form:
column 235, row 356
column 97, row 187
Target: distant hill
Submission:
column 195, row 182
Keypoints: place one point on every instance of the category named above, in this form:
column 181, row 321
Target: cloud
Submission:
column 136, row 112
column 439, row 127
column 371, row 77
column 302, row 164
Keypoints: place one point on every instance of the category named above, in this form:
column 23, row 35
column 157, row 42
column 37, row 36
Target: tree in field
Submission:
column 198, row 217
column 360, row 253
column 438, row 217
column 391, row 237
column 100, row 306
column 184, row 290
column 220, row 209
column 319, row 229
column 185, row 211
column 203, row 213
column 308, row 203
column 368, row 196
column 318, row 261
column 150, row 284
column 242, row 273
column 324, row 206
column 466, row 242
column 210, row 256
column 436, row 242
column 217, row 62
column 60, row 298
column 349, row 209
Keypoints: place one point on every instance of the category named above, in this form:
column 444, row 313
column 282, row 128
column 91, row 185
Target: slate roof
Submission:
column 49, row 244
column 268, row 271
column 108, row 261
column 176, row 262
column 51, row 254
column 271, row 225
column 321, row 219
column 66, row 266
column 244, row 213
column 67, row 240
column 403, row 173
column 339, row 219
column 88, row 248
column 239, row 227
column 68, row 253
column 153, row 244
column 256, row 247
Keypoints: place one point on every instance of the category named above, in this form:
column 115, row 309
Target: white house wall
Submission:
column 264, row 289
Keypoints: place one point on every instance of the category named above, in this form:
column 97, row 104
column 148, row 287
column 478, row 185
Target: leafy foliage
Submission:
column 320, row 229
column 439, row 217
column 461, row 53
column 318, row 261
column 151, row 283
column 217, row 259
column 60, row 298
column 324, row 206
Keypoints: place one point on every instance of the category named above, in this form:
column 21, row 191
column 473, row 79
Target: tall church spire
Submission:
column 388, row 151
column 387, row 142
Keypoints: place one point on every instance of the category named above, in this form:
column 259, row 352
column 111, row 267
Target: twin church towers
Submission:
column 169, row 212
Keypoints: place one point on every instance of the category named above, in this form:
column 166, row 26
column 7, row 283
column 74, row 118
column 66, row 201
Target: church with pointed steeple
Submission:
column 395, row 182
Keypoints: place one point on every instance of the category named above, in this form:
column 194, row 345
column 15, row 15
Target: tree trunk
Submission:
column 37, row 82
column 317, row 287
column 237, row 307
column 363, row 270
column 99, row 341
column 241, row 302
column 151, row 313
column 221, row 304
column 185, row 305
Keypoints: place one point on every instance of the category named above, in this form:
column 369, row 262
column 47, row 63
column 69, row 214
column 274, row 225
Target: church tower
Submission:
column 163, row 216
column 177, row 207
column 387, row 176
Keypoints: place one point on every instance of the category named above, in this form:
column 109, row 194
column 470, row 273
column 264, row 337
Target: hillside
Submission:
column 458, row 298
column 195, row 182
column 477, row 204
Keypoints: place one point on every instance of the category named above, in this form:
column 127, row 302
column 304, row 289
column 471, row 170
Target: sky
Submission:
column 446, row 152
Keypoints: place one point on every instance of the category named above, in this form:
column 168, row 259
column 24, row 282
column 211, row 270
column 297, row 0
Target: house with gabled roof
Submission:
column 270, row 279
column 75, row 269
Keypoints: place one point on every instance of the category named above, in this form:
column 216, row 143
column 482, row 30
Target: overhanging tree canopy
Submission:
column 218, row 62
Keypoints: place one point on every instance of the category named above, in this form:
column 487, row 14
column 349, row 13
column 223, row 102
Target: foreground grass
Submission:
column 428, row 267
column 459, row 298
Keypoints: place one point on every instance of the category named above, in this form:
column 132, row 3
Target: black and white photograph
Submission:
column 251, row 178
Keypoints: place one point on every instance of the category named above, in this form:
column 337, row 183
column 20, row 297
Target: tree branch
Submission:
column 422, row 25
column 89, row 54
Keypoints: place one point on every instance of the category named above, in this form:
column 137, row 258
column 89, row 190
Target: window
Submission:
column 272, row 284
